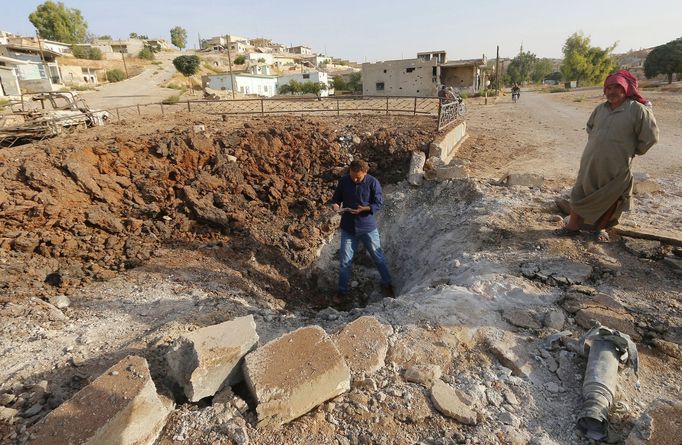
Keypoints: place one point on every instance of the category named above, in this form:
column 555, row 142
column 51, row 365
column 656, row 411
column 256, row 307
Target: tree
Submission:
column 664, row 59
column 133, row 35
column 293, row 87
column 115, row 75
column 147, row 53
column 54, row 21
column 340, row 84
column 86, row 52
column 313, row 88
column 584, row 63
column 178, row 37
column 521, row 67
column 240, row 60
column 543, row 68
column 188, row 66
column 355, row 82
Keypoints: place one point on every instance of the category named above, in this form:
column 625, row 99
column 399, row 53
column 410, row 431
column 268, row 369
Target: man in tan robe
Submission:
column 618, row 129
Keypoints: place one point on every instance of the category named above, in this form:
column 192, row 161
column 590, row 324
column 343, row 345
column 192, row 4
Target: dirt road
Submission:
column 545, row 134
column 142, row 89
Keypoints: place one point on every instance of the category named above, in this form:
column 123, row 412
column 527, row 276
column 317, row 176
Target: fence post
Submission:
column 415, row 105
column 338, row 108
column 118, row 116
column 188, row 106
column 262, row 107
column 162, row 113
column 439, row 110
column 386, row 105
column 138, row 110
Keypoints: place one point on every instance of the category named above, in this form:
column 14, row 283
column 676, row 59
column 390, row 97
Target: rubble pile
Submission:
column 73, row 211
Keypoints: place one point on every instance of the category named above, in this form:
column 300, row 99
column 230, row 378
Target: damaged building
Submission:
column 423, row 75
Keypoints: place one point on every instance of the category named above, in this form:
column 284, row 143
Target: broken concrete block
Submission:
column 206, row 359
column 643, row 248
column 120, row 407
column 294, row 373
column 450, row 171
column 418, row 346
column 424, row 375
column 452, row 403
column 363, row 343
column 415, row 175
column 521, row 318
column 645, row 187
column 602, row 308
column 660, row 424
column 523, row 179
column 511, row 352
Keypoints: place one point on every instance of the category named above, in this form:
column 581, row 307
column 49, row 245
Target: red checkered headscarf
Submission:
column 629, row 83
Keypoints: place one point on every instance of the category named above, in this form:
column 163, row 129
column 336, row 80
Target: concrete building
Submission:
column 313, row 76
column 319, row 59
column 283, row 60
column 463, row 74
column 439, row 56
column 304, row 50
column 79, row 75
column 422, row 76
column 261, row 70
column 260, row 58
column 9, row 83
column 411, row 77
column 244, row 83
column 35, row 70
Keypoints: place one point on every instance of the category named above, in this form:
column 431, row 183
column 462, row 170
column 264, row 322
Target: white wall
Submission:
column 254, row 57
column 260, row 85
column 315, row 76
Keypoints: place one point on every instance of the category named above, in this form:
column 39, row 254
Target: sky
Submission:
column 370, row 31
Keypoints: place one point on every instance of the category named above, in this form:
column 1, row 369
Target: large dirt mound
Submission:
column 74, row 210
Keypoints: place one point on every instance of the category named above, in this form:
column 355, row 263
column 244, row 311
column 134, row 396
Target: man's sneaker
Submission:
column 388, row 291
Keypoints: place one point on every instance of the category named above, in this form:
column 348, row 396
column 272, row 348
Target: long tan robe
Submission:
column 615, row 137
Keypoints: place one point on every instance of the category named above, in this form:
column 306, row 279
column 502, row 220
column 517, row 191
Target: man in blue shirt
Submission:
column 360, row 194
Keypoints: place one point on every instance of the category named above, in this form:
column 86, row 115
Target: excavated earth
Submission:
column 82, row 209
column 153, row 229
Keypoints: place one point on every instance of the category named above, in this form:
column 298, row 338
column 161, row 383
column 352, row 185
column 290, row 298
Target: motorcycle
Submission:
column 515, row 96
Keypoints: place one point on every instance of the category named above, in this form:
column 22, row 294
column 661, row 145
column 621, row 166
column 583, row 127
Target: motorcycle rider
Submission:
column 516, row 90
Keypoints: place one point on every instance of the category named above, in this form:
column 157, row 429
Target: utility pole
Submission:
column 42, row 59
column 199, row 37
column 497, row 70
column 125, row 67
column 229, row 61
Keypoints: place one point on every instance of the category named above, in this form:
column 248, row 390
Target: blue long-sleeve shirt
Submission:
column 352, row 195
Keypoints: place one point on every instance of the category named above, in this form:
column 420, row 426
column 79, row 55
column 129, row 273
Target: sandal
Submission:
column 601, row 236
column 565, row 231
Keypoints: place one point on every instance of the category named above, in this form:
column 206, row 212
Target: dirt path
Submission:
column 142, row 89
column 545, row 134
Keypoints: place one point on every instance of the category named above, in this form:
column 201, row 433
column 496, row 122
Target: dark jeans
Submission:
column 349, row 244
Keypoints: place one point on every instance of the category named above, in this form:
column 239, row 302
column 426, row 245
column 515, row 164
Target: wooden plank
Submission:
column 664, row 236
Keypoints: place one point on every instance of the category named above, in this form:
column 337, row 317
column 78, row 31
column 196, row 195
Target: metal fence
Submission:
column 423, row 106
column 448, row 112
column 326, row 106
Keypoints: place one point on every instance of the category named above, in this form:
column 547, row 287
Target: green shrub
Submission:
column 157, row 62
column 170, row 100
column 240, row 60
column 146, row 53
column 557, row 90
column 115, row 75
column 86, row 52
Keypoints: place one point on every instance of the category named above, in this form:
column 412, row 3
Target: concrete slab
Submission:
column 415, row 175
column 120, row 407
column 208, row 358
column 294, row 373
column 363, row 343
column 451, row 403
